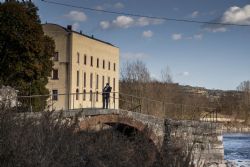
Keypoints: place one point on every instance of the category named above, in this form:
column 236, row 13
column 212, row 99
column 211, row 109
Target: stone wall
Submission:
column 205, row 139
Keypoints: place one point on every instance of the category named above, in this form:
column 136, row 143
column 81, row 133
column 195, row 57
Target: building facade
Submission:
column 82, row 67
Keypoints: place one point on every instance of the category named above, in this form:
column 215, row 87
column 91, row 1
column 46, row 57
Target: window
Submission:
column 97, row 63
column 114, row 84
column 109, row 80
column 85, row 59
column 78, row 57
column 55, row 95
column 96, row 98
column 103, row 64
column 114, row 66
column 90, row 96
column 91, row 80
column 56, row 56
column 84, row 95
column 103, row 81
column 97, row 81
column 55, row 74
column 109, row 65
column 114, row 97
column 91, row 61
column 77, row 78
column 84, row 79
column 77, row 94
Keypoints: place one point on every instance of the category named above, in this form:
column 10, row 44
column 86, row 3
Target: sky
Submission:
column 215, row 57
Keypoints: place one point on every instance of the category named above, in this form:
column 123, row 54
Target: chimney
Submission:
column 69, row 27
column 80, row 31
column 92, row 36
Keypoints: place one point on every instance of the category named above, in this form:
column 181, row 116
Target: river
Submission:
column 237, row 148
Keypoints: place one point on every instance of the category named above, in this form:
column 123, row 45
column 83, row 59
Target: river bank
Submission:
column 232, row 127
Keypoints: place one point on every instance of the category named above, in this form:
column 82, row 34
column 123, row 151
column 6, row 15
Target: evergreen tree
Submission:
column 25, row 52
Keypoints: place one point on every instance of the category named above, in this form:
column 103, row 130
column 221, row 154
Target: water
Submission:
column 237, row 148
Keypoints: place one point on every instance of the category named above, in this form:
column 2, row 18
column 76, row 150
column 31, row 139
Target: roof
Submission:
column 80, row 33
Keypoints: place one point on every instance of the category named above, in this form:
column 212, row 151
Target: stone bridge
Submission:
column 206, row 137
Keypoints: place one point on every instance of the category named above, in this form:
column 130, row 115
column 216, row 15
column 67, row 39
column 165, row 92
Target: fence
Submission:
column 69, row 101
column 117, row 100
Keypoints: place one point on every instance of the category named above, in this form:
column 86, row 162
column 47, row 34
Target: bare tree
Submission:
column 166, row 76
column 135, row 72
column 244, row 87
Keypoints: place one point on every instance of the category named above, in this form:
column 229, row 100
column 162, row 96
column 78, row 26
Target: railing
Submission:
column 68, row 101
column 210, row 116
column 117, row 100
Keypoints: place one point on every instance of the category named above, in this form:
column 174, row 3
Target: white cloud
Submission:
column 118, row 5
column 185, row 73
column 198, row 36
column 237, row 15
column 176, row 37
column 134, row 56
column 147, row 34
column 127, row 22
column 76, row 16
column 104, row 24
column 179, row 36
column 143, row 21
column 233, row 15
column 215, row 29
column 123, row 21
column 75, row 26
column 195, row 14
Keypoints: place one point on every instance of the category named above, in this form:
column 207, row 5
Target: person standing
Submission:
column 105, row 95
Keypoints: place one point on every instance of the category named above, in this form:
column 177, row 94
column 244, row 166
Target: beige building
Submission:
column 82, row 67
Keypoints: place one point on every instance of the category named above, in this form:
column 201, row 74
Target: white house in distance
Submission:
column 82, row 67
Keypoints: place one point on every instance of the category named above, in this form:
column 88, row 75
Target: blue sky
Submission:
column 215, row 57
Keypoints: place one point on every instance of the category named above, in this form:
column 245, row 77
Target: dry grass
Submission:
column 50, row 141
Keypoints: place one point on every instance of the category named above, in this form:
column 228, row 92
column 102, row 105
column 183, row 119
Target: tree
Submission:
column 166, row 76
column 244, row 87
column 25, row 52
column 135, row 72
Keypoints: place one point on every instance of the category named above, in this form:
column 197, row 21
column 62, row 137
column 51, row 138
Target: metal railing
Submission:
column 72, row 101
column 69, row 101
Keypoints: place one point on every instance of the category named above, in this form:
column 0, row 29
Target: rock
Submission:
column 222, row 165
column 8, row 97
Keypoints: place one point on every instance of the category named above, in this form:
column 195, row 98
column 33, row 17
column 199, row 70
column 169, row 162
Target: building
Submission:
column 82, row 67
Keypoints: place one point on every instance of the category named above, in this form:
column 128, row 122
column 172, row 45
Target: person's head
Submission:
column 107, row 84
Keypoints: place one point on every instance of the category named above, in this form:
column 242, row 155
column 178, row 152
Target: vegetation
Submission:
column 172, row 100
column 244, row 103
column 25, row 52
column 160, row 98
column 52, row 141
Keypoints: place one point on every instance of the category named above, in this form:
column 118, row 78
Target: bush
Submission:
column 50, row 140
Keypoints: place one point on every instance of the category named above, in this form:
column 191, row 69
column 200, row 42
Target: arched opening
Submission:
column 119, row 138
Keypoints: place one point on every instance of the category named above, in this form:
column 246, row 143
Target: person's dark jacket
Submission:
column 106, row 91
